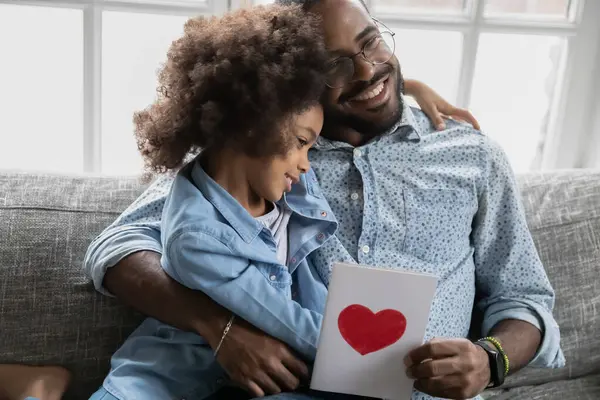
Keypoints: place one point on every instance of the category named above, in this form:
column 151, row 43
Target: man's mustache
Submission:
column 360, row 86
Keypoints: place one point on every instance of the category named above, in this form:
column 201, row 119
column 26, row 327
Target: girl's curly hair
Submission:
column 237, row 80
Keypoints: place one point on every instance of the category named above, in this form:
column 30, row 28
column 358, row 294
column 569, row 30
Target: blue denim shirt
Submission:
column 211, row 243
column 438, row 202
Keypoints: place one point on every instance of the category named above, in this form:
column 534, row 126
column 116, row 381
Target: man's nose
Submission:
column 364, row 70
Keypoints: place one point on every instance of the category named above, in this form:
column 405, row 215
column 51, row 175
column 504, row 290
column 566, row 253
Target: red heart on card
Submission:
column 368, row 332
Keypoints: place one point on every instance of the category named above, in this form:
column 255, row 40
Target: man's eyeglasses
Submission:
column 377, row 50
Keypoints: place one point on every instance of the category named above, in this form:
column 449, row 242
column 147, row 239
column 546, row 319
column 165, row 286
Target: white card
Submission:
column 373, row 318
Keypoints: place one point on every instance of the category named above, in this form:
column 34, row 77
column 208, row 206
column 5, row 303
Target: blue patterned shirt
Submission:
column 444, row 203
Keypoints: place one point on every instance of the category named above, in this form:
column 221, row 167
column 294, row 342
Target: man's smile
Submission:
column 372, row 97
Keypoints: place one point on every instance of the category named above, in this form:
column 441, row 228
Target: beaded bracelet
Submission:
column 225, row 332
column 498, row 346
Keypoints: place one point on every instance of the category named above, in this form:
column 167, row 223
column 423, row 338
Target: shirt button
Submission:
column 320, row 236
column 357, row 153
column 293, row 260
column 272, row 277
column 366, row 249
column 323, row 213
column 354, row 196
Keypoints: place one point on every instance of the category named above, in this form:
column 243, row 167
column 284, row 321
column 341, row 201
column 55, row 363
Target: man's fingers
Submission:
column 254, row 389
column 266, row 383
column 295, row 366
column 449, row 386
column 433, row 386
column 286, row 380
column 434, row 368
column 433, row 350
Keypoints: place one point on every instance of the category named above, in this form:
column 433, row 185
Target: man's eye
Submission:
column 373, row 43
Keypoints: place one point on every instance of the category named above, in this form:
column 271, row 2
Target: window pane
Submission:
column 41, row 88
column 419, row 6
column 433, row 57
column 134, row 46
column 529, row 8
column 515, row 80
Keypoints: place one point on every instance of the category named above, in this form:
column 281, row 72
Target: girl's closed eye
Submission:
column 302, row 142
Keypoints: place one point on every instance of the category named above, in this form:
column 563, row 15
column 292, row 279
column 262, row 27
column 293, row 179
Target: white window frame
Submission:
column 576, row 101
column 92, row 54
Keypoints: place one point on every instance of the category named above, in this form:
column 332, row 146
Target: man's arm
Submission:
column 255, row 361
column 458, row 369
column 511, row 281
column 515, row 295
column 520, row 341
column 124, row 261
column 140, row 282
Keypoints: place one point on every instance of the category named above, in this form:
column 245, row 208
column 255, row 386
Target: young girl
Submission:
column 243, row 215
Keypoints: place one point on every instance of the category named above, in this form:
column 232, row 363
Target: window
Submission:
column 130, row 60
column 513, row 89
column 41, row 88
column 525, row 67
column 73, row 73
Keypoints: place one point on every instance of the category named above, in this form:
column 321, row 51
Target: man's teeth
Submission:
column 372, row 93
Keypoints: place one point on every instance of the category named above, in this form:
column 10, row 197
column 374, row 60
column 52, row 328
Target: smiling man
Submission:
column 406, row 196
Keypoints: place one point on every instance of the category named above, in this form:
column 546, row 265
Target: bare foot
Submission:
column 45, row 383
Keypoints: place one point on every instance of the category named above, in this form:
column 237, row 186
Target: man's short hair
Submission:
column 307, row 4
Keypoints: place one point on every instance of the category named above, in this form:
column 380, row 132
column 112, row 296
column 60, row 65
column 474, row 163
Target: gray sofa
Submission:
column 50, row 314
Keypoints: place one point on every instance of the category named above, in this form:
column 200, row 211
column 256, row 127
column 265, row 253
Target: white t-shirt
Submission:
column 277, row 222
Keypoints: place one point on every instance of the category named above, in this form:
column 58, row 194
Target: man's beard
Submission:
column 336, row 119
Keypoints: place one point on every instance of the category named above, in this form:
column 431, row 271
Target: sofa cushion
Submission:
column 49, row 312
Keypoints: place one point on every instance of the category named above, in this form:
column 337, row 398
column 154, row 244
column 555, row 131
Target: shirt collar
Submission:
column 407, row 127
column 237, row 216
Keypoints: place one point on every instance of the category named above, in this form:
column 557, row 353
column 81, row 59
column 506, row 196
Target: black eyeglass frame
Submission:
column 378, row 23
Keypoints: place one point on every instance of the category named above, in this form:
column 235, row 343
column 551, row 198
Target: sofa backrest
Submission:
column 50, row 314
column 563, row 214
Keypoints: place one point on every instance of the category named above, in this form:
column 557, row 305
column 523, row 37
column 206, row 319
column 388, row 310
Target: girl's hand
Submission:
column 436, row 107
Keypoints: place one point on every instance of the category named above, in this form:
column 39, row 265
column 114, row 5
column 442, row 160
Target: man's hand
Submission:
column 455, row 368
column 259, row 363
